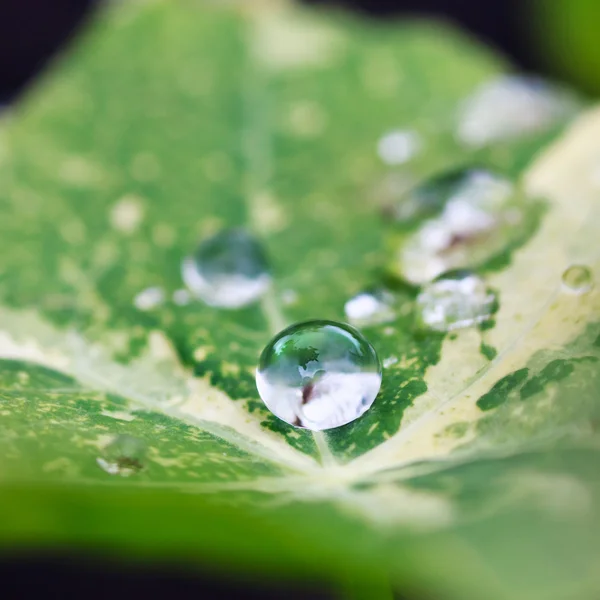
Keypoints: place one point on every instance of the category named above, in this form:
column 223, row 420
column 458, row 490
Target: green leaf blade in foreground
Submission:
column 171, row 122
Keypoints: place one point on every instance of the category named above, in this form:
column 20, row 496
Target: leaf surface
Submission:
column 171, row 121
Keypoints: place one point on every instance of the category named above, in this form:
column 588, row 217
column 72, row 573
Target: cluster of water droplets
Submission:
column 448, row 225
column 322, row 374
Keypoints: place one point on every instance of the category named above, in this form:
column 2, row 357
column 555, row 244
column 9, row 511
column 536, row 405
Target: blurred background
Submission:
column 556, row 38
column 552, row 37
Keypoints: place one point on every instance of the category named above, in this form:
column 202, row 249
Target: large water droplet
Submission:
column 511, row 106
column 228, row 270
column 455, row 300
column 456, row 220
column 124, row 456
column 370, row 308
column 399, row 146
column 578, row 279
column 318, row 375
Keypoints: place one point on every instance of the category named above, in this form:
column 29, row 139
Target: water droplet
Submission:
column 124, row 456
column 370, row 308
column 228, row 270
column 510, row 106
column 456, row 220
column 398, row 147
column 578, row 279
column 318, row 375
column 149, row 298
column 455, row 300
column 181, row 297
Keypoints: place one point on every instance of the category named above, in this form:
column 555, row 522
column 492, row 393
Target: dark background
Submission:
column 31, row 32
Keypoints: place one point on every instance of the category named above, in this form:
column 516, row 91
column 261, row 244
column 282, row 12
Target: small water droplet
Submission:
column 455, row 220
column 578, row 279
column 455, row 300
column 399, row 146
column 389, row 361
column 228, row 270
column 370, row 308
column 318, row 375
column 181, row 297
column 124, row 456
column 510, row 106
column 149, row 298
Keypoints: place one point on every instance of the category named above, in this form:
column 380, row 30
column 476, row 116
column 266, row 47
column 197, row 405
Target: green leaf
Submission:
column 476, row 467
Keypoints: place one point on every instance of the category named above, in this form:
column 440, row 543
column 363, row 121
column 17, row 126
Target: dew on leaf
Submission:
column 228, row 270
column 454, row 221
column 578, row 279
column 370, row 308
column 511, row 106
column 149, row 298
column 124, row 455
column 318, row 375
column 399, row 146
column 182, row 297
column 455, row 300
